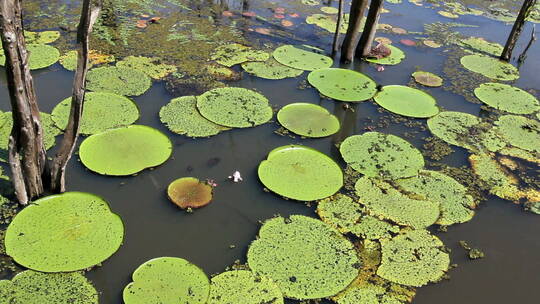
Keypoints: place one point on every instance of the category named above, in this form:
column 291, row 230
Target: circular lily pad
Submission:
column 242, row 286
column 125, row 151
column 414, row 258
column 43, row 37
column 308, row 120
column 153, row 67
column 182, row 117
column 302, row 57
column 102, row 111
column 65, row 232
column 32, row 287
column 490, row 67
column 343, row 84
column 480, row 44
column 167, row 280
column 271, row 69
column 407, row 101
column 428, row 79
column 40, row 56
column 507, row 98
column 69, row 59
column 234, row 53
column 234, row 107
column 520, row 132
column 305, row 257
column 396, row 56
column 328, row 23
column 189, row 192
column 381, row 155
column 300, row 173
column 119, row 80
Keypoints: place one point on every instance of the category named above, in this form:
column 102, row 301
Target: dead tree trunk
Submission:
column 58, row 169
column 528, row 5
column 358, row 8
column 366, row 40
column 335, row 44
column 26, row 151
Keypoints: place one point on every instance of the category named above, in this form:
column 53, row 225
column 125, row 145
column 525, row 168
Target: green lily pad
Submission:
column 480, row 44
column 41, row 37
column 102, row 111
column 327, row 22
column 311, row 2
column 376, row 154
column 243, row 286
column 308, row 120
column 414, row 258
column 189, row 192
column 41, row 56
column 396, row 56
column 167, row 280
column 343, row 84
column 118, row 80
column 181, row 116
column 271, row 69
column 69, row 59
column 490, row 67
column 384, row 201
column 302, row 57
column 234, row 53
column 64, row 232
column 234, row 107
column 519, row 132
column 32, row 287
column 407, row 101
column 507, row 98
column 125, row 151
column 300, row 173
column 305, row 257
column 428, row 79
column 153, row 67
column 329, row 10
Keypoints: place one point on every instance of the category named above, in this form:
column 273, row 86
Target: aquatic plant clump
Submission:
column 300, row 173
column 125, row 151
column 308, row 120
column 189, row 192
column 302, row 57
column 234, row 107
column 64, row 232
column 40, row 56
column 395, row 57
column 167, row 280
column 305, row 257
column 271, row 69
column 232, row 54
column 343, row 84
column 407, row 101
column 507, row 98
column 428, row 79
column 381, row 155
column 490, row 67
column 153, row 67
column 119, row 80
column 519, row 132
column 243, row 286
column 32, row 287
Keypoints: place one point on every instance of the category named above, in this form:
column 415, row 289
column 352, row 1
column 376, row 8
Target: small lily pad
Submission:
column 167, row 280
column 119, row 80
column 43, row 37
column 519, row 132
column 480, row 44
column 396, row 56
column 343, row 84
column 271, row 69
column 490, row 67
column 507, row 98
column 308, row 120
column 125, row 151
column 234, row 53
column 300, row 173
column 407, row 101
column 189, row 192
column 243, row 286
column 153, row 67
column 329, row 10
column 428, row 79
column 41, row 56
column 302, row 57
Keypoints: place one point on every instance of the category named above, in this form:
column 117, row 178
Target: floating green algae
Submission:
column 119, row 80
column 153, row 67
column 181, row 116
column 407, row 101
column 490, row 67
column 69, row 59
column 308, row 120
column 65, row 232
column 395, row 57
column 428, row 79
column 40, row 56
column 413, row 258
column 234, row 107
column 189, row 192
column 31, row 287
column 271, row 69
column 43, row 37
column 381, row 155
column 480, row 44
column 125, row 151
column 302, row 57
column 507, row 98
column 232, row 54
column 300, row 173
column 167, row 280
column 305, row 257
column 343, row 84
column 327, row 22
column 519, row 132
column 243, row 286
column 102, row 111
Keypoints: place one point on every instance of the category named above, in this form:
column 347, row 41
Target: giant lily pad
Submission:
column 407, row 101
column 102, row 111
column 302, row 57
column 490, row 67
column 300, row 173
column 327, row 22
column 119, row 80
column 343, row 84
column 41, row 56
column 308, row 120
column 152, row 67
column 271, row 69
column 65, row 232
column 396, row 56
column 167, row 280
column 232, row 54
column 480, row 44
column 428, row 79
column 381, row 155
column 520, row 132
column 43, row 37
column 125, row 151
column 242, row 286
column 69, row 59
column 189, row 192
column 305, row 257
column 507, row 98
column 234, row 107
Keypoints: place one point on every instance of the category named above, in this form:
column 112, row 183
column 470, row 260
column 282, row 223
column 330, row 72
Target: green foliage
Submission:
column 69, row 59
column 428, row 79
column 41, row 56
column 41, row 37
column 490, row 67
column 481, row 45
column 308, row 120
column 507, row 98
column 519, row 132
column 271, row 69
column 242, row 286
column 118, row 80
column 407, row 101
column 302, row 57
column 153, row 67
column 343, row 84
column 328, row 23
column 396, row 56
column 232, row 54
